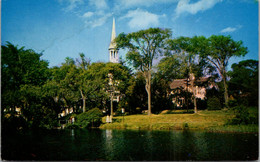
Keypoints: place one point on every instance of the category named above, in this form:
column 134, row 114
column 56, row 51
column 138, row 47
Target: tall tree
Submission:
column 23, row 74
column 217, row 50
column 182, row 51
column 243, row 84
column 82, row 78
column 143, row 47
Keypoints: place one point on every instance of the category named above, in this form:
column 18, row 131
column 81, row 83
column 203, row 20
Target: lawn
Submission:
column 178, row 119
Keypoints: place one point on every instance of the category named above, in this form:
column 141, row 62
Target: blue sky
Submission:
column 65, row 28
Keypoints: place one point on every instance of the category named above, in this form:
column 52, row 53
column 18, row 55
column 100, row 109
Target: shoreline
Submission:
column 252, row 129
column 210, row 121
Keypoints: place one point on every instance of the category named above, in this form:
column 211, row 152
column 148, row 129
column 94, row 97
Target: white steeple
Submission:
column 113, row 52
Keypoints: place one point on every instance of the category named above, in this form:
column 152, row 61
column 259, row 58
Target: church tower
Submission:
column 113, row 52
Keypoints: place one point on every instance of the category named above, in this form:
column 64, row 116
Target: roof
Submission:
column 178, row 83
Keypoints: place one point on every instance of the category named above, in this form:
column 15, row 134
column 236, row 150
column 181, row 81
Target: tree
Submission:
column 143, row 47
column 23, row 74
column 98, row 72
column 184, row 58
column 171, row 67
column 217, row 50
column 244, row 81
column 161, row 99
column 136, row 97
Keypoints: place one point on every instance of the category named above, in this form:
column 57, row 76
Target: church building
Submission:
column 113, row 51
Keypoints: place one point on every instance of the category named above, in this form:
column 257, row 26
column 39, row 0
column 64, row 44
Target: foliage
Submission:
column 213, row 103
column 243, row 84
column 91, row 118
column 202, row 104
column 161, row 100
column 72, row 126
column 12, row 123
column 23, row 75
column 143, row 47
column 42, row 93
column 170, row 68
column 217, row 50
column 136, row 96
column 242, row 116
column 183, row 51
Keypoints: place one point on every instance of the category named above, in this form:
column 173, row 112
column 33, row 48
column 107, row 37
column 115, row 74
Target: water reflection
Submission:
column 129, row 145
column 108, row 134
column 72, row 133
column 108, row 147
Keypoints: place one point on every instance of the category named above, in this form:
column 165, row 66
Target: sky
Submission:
column 65, row 28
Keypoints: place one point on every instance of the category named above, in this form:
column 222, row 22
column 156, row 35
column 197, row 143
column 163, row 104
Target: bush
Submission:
column 138, row 110
column 213, row 103
column 242, row 116
column 202, row 104
column 232, row 103
column 92, row 118
column 72, row 126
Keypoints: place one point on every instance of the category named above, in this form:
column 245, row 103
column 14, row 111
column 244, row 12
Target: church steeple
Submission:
column 113, row 52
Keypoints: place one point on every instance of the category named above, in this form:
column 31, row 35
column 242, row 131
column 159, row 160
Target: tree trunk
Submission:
column 226, row 90
column 84, row 104
column 195, row 105
column 83, row 101
column 194, row 95
column 111, row 104
column 149, row 100
column 148, row 89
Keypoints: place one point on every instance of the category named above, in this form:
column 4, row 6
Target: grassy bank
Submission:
column 170, row 120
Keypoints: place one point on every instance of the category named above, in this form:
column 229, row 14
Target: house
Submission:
column 197, row 87
column 65, row 112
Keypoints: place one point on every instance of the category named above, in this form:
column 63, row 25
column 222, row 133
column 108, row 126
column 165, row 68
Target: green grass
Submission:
column 170, row 120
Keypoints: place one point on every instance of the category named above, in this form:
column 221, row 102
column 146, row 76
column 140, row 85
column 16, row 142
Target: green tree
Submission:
column 23, row 74
column 98, row 72
column 182, row 53
column 217, row 50
column 136, row 97
column 143, row 47
column 244, row 81
column 170, row 68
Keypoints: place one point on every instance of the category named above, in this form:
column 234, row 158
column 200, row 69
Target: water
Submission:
column 129, row 145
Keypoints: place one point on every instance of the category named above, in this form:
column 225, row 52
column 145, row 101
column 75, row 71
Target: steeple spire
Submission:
column 113, row 35
column 113, row 52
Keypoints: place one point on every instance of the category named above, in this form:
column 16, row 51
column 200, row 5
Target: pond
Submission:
column 124, row 145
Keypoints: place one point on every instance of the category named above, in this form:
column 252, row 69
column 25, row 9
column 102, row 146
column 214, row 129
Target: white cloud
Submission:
column 140, row 19
column 184, row 6
column 71, row 4
column 99, row 4
column 139, row 3
column 97, row 21
column 88, row 14
column 230, row 29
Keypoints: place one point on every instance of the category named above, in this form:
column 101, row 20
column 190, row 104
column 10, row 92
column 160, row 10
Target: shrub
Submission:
column 232, row 103
column 91, row 118
column 202, row 104
column 72, row 126
column 242, row 116
column 213, row 103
